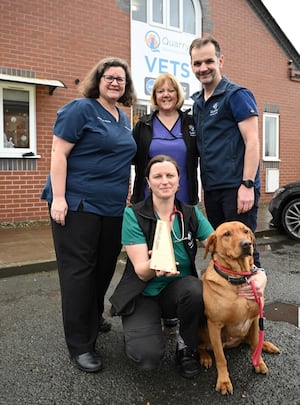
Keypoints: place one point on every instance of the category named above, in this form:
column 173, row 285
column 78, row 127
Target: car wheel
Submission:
column 291, row 219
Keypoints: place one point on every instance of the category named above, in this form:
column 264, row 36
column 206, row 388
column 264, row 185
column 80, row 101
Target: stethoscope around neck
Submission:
column 180, row 215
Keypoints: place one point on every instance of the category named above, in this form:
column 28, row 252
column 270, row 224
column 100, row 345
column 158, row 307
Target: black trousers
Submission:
column 87, row 248
column 144, row 338
column 221, row 206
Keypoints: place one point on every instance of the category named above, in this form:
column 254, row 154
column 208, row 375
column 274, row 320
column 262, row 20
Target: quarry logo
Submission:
column 152, row 40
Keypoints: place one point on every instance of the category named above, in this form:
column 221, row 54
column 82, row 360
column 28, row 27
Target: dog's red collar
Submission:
column 224, row 272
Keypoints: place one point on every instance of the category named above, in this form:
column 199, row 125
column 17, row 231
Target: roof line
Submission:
column 270, row 23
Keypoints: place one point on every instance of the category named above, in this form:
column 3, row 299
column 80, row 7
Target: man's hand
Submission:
column 259, row 280
column 245, row 199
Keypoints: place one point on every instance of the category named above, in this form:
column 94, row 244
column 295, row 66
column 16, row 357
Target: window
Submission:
column 138, row 110
column 17, row 119
column 139, row 10
column 177, row 15
column 270, row 136
column 189, row 17
column 157, row 11
column 174, row 14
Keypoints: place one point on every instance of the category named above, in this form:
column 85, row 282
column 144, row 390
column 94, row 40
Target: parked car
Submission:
column 285, row 209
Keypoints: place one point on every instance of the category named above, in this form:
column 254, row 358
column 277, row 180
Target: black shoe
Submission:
column 90, row 362
column 188, row 361
column 170, row 322
column 104, row 325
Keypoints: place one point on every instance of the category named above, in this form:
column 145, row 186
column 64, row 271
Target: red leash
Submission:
column 257, row 353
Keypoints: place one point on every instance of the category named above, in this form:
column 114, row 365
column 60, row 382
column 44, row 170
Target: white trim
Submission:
column 32, row 80
column 18, row 152
column 276, row 137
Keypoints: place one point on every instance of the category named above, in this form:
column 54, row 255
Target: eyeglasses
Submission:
column 162, row 91
column 110, row 79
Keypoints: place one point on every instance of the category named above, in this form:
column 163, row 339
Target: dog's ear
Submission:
column 210, row 245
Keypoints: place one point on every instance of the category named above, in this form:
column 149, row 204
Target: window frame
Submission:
column 276, row 117
column 167, row 9
column 18, row 152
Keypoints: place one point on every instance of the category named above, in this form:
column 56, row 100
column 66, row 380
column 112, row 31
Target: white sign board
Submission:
column 156, row 50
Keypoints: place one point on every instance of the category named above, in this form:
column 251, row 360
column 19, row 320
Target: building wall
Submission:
column 253, row 58
column 63, row 40
column 56, row 40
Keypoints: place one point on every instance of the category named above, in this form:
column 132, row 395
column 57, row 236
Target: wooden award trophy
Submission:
column 163, row 257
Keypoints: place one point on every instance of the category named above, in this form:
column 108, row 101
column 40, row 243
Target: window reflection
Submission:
column 16, row 118
column 139, row 10
column 270, row 137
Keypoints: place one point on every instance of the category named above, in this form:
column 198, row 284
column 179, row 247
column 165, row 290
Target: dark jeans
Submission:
column 221, row 206
column 87, row 248
column 144, row 338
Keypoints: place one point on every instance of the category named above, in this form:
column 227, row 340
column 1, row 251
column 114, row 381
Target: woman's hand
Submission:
column 259, row 280
column 160, row 273
column 59, row 209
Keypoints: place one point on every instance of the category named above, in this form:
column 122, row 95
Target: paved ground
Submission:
column 34, row 364
column 35, row 368
column 30, row 248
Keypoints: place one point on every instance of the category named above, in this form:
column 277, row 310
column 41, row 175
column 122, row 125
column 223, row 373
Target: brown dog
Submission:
column 231, row 319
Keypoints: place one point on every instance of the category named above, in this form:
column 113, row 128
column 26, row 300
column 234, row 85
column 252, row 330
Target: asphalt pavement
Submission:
column 34, row 363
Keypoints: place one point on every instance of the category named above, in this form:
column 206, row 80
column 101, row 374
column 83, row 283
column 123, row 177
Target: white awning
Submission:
column 32, row 80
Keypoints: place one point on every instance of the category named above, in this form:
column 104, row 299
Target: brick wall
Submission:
column 56, row 40
column 63, row 40
column 254, row 59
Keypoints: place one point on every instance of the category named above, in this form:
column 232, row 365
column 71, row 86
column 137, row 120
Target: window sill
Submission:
column 20, row 157
column 271, row 160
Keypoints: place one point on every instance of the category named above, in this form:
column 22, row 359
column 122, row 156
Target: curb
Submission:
column 18, row 269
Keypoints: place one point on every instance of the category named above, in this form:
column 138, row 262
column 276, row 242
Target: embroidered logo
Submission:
column 192, row 130
column 190, row 240
column 214, row 110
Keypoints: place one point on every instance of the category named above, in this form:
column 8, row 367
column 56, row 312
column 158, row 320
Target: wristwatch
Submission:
column 248, row 183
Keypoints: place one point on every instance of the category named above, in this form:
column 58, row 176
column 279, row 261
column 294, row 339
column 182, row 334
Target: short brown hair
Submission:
column 208, row 39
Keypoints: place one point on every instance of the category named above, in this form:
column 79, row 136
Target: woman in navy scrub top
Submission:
column 86, row 191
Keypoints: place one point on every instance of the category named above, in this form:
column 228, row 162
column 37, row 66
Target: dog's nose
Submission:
column 246, row 246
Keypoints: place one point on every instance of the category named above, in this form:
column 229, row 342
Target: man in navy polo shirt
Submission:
column 226, row 122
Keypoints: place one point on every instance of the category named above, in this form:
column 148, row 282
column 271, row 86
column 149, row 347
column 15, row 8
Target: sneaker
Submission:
column 104, row 325
column 188, row 361
column 170, row 322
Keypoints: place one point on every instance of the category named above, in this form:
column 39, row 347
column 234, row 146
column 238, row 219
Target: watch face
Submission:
column 248, row 183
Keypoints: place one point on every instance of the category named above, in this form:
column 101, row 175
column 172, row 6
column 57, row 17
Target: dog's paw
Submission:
column 268, row 347
column 204, row 358
column 224, row 386
column 261, row 368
